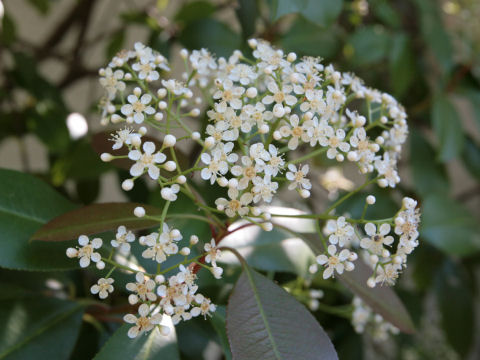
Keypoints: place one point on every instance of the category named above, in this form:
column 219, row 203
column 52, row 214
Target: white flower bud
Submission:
column 340, row 157
column 304, row 193
column 142, row 131
column 170, row 165
column 252, row 43
column 352, row 156
column 185, row 251
column 375, row 147
column 169, row 140
column 188, row 94
column 116, row 118
column 251, row 92
column 397, row 260
column 106, row 157
column 353, row 256
column 374, row 259
column 127, row 184
column 268, row 70
column 139, row 211
column 277, row 135
column 162, row 92
column 209, row 142
column 100, row 265
column 195, row 135
column 380, row 140
column 287, row 109
column 175, row 233
column 158, row 116
column 184, row 53
column 313, row 268
column 267, row 226
column 223, row 182
column 256, row 211
column 137, row 92
column 371, row 199
column 291, row 57
column 136, row 140
column 385, row 253
column 349, row 266
column 195, row 112
column 162, row 105
column 159, row 279
column 193, row 240
column 278, row 110
column 128, row 76
column 383, row 183
column 264, row 129
column 371, row 282
column 383, row 119
column 181, row 179
column 267, row 216
column 198, row 100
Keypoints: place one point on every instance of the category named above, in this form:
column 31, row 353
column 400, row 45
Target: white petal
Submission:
column 136, row 169
column 370, row 229
column 149, row 147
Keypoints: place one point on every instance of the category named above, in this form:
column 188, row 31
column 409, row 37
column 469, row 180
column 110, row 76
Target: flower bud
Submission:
column 252, row 43
column 185, row 251
column 106, row 157
column 193, row 240
column 170, row 165
column 264, row 129
column 181, row 179
column 169, row 140
column 195, row 135
column 223, row 182
column 127, row 184
column 291, row 57
column 267, row 226
column 162, row 105
column 371, row 199
column 116, row 118
column 312, row 269
column 217, row 272
column 159, row 279
column 251, row 92
column 142, row 131
column 158, row 116
column 209, row 142
column 195, row 112
column 100, row 265
column 277, row 135
column 383, row 183
column 304, row 193
column 371, row 283
column 139, row 211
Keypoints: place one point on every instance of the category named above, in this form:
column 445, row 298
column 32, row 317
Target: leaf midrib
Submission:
column 23, row 216
column 262, row 313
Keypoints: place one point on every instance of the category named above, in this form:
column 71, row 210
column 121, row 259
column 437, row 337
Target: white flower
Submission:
column 124, row 136
column 247, row 172
column 86, row 251
column 212, row 253
column 387, row 168
column 103, row 287
column 377, row 239
column 295, row 131
column 234, row 205
column 205, row 306
column 143, row 289
column 231, row 94
column 335, row 262
column 216, row 166
column 160, row 246
column 146, row 69
column 388, row 274
column 341, row 232
column 111, row 81
column 147, row 160
column 335, row 143
column 298, row 177
column 143, row 323
column 138, row 107
column 123, row 238
column 263, row 189
column 243, row 73
column 275, row 162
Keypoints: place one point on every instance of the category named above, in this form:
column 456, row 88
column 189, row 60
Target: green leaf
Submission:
column 382, row 299
column 402, row 64
column 320, row 12
column 370, row 44
column 26, row 203
column 94, row 219
column 448, row 128
column 247, row 14
column 305, row 38
column 456, row 306
column 195, row 10
column 449, row 226
column 384, row 11
column 265, row 322
column 428, row 175
column 34, row 328
column 275, row 250
column 218, row 322
column 144, row 347
column 471, row 157
column 210, row 34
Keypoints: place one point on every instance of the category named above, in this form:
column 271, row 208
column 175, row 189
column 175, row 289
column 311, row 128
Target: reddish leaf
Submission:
column 94, row 219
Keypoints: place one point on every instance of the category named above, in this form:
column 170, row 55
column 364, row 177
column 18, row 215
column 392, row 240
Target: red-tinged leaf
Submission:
column 94, row 219
column 265, row 322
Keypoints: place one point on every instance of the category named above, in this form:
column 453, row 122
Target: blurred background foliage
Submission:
column 426, row 53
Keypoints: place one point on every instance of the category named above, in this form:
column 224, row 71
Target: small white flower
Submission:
column 388, row 274
column 235, row 206
column 298, row 177
column 111, row 81
column 335, row 262
column 144, row 289
column 341, row 232
column 377, row 239
column 212, row 253
column 143, row 323
column 170, row 193
column 138, row 107
column 123, row 238
column 147, row 160
column 103, row 287
column 86, row 251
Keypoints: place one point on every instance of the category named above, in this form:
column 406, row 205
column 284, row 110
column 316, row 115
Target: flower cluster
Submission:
column 267, row 118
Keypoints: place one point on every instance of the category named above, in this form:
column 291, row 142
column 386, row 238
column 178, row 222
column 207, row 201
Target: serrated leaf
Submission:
column 456, row 306
column 265, row 322
column 144, row 347
column 27, row 203
column 449, row 226
column 94, row 219
column 320, row 12
column 34, row 328
column 448, row 128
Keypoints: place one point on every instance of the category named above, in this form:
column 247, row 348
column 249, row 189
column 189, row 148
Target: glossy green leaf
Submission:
column 449, row 226
column 471, row 157
column 247, row 14
column 210, row 34
column 195, row 10
column 218, row 322
column 27, row 203
column 305, row 38
column 448, row 129
column 94, row 219
column 34, row 328
column 115, row 44
column 402, row 64
column 370, row 44
column 428, row 175
column 144, row 347
column 265, row 322
column 275, row 250
column 455, row 299
column 320, row 12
